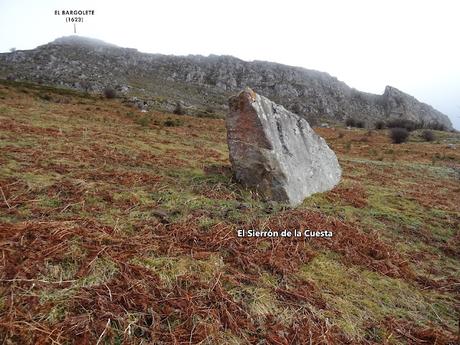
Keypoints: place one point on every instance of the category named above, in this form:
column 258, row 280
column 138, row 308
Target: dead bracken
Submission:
column 120, row 234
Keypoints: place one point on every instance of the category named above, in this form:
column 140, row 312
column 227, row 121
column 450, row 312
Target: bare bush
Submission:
column 379, row 125
column 109, row 93
column 428, row 135
column 179, row 109
column 399, row 135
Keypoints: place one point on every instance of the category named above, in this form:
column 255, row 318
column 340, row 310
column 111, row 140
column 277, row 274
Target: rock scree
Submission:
column 276, row 152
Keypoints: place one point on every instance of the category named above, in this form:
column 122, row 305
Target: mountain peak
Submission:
column 76, row 40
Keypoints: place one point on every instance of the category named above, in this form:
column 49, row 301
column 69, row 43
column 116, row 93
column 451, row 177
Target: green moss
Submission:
column 57, row 296
column 39, row 181
column 316, row 201
column 9, row 168
column 262, row 302
column 102, row 269
column 56, row 314
column 359, row 296
column 50, row 203
column 169, row 268
column 206, row 223
column 387, row 204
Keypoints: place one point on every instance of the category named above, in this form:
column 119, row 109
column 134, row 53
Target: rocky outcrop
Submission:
column 401, row 105
column 276, row 152
column 204, row 84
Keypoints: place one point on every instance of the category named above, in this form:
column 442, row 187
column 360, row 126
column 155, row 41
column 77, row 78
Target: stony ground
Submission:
column 119, row 227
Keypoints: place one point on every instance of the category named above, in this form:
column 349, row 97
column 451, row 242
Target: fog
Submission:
column 411, row 45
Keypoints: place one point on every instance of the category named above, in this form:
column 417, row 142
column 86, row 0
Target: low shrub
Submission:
column 45, row 97
column 172, row 123
column 399, row 135
column 109, row 93
column 143, row 121
column 360, row 124
column 413, row 125
column 379, row 125
column 355, row 123
column 350, row 122
column 179, row 109
column 404, row 123
column 428, row 135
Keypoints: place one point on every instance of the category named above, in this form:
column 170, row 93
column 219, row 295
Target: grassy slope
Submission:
column 119, row 226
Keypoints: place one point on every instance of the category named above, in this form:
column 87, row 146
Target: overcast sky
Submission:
column 412, row 45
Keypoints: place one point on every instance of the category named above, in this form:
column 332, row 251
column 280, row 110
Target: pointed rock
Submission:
column 276, row 152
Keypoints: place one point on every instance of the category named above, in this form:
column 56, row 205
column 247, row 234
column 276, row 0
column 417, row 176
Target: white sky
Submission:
column 411, row 45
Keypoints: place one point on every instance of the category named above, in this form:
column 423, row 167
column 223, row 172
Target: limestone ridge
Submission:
column 276, row 152
column 205, row 83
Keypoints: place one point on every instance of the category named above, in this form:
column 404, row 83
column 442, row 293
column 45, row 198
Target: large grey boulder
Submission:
column 276, row 152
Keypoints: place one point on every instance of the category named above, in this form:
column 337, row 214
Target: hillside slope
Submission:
column 205, row 83
column 118, row 226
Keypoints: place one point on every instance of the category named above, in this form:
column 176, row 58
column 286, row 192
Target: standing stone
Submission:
column 276, row 152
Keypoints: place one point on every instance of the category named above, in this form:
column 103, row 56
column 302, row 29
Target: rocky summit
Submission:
column 276, row 152
column 202, row 85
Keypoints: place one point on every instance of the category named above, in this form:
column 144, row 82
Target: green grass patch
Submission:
column 169, row 268
column 359, row 296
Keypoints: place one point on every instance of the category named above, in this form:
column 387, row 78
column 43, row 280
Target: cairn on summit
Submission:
column 276, row 152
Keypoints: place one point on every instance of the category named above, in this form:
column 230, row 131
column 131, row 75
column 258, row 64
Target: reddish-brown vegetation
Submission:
column 119, row 233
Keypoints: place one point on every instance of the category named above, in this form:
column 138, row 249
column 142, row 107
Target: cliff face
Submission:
column 205, row 83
